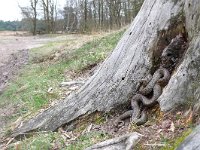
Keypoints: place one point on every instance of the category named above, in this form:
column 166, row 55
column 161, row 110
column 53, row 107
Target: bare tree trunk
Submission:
column 102, row 14
column 99, row 13
column 46, row 7
column 134, row 58
column 53, row 15
column 48, row 16
column 30, row 12
column 110, row 14
column 94, row 14
column 85, row 14
column 118, row 18
column 34, row 7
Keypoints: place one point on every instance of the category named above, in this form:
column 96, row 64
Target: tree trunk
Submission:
column 94, row 14
column 34, row 7
column 46, row 4
column 184, row 86
column 34, row 26
column 109, row 3
column 134, row 58
column 102, row 14
column 99, row 13
column 85, row 15
column 31, row 14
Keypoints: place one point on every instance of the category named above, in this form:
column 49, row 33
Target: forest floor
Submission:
column 53, row 59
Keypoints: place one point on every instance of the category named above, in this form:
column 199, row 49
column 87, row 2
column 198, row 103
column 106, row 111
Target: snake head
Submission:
column 118, row 123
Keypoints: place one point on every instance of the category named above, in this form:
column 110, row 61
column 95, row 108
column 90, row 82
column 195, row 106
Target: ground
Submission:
column 57, row 58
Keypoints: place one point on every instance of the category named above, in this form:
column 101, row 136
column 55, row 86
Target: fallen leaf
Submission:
column 190, row 118
column 172, row 127
column 50, row 90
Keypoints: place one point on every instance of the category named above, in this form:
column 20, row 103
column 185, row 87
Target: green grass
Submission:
column 87, row 140
column 46, row 49
column 173, row 144
column 53, row 140
column 42, row 53
column 40, row 141
column 30, row 88
column 93, row 52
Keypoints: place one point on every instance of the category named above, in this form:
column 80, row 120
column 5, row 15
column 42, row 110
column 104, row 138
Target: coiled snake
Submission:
column 152, row 86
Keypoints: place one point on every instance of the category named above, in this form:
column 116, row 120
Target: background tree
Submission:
column 11, row 25
column 30, row 13
column 95, row 15
column 50, row 14
column 70, row 15
column 81, row 15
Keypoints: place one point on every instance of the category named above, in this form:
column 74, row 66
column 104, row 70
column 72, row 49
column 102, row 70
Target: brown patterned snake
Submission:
column 155, row 83
column 152, row 86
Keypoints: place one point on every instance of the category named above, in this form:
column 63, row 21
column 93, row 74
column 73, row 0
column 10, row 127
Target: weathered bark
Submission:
column 133, row 58
column 184, row 86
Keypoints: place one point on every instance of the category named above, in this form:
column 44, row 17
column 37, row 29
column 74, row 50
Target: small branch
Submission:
column 155, row 144
column 72, row 83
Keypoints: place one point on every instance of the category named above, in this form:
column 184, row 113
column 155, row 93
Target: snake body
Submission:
column 160, row 77
column 152, row 86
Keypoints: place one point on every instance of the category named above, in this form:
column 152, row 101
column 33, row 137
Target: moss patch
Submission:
column 174, row 143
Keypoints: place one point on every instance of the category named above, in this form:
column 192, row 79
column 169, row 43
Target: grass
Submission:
column 53, row 140
column 87, row 140
column 47, row 49
column 30, row 88
column 174, row 143
column 40, row 141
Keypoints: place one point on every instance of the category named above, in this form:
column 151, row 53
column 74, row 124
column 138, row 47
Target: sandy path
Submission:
column 12, row 44
column 14, row 53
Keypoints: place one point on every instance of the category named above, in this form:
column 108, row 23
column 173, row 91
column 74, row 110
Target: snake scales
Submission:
column 152, row 86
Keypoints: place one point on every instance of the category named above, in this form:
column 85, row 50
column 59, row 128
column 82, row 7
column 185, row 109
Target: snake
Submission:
column 154, row 84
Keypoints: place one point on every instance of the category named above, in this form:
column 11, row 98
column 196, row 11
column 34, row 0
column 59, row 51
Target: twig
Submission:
column 9, row 141
column 155, row 144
